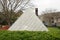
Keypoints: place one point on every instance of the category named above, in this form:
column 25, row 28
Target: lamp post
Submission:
column 36, row 11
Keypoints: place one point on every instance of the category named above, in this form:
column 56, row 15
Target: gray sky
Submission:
column 47, row 4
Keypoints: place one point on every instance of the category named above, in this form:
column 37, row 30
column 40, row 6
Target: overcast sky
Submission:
column 47, row 4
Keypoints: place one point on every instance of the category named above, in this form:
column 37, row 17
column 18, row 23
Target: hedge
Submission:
column 29, row 35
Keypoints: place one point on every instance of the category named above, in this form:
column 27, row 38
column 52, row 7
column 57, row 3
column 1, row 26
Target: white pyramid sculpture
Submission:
column 28, row 21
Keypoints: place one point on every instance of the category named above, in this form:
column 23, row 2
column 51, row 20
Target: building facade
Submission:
column 51, row 19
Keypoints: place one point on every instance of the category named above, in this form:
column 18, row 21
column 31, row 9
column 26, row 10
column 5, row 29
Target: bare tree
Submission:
column 50, row 16
column 49, row 11
column 12, row 6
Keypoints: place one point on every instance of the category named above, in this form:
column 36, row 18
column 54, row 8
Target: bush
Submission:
column 28, row 35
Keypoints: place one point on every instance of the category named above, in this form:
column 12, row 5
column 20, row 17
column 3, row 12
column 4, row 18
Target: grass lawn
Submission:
column 53, row 34
column 54, row 31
